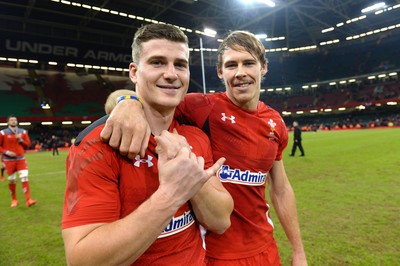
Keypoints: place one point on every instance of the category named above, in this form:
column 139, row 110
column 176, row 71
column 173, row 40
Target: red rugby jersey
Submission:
column 9, row 142
column 250, row 141
column 118, row 185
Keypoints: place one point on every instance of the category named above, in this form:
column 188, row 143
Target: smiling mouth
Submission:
column 246, row 84
column 168, row 87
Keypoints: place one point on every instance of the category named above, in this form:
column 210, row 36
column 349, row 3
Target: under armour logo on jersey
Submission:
column 139, row 161
column 224, row 117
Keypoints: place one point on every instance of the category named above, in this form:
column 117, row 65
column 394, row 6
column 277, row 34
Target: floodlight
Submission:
column 261, row 36
column 210, row 32
column 267, row 2
column 373, row 7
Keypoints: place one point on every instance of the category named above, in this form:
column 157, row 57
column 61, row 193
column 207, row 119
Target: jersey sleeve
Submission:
column 26, row 140
column 194, row 109
column 92, row 194
column 283, row 140
column 2, row 149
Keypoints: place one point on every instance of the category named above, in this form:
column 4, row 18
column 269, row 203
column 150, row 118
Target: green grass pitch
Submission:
column 347, row 190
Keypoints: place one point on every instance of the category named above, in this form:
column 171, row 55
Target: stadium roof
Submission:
column 113, row 22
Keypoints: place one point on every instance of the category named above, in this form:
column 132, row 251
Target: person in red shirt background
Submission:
column 13, row 142
column 3, row 168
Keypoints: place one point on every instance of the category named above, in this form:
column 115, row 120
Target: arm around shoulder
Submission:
column 126, row 129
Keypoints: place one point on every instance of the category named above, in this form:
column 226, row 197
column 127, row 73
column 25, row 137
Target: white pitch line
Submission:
column 48, row 173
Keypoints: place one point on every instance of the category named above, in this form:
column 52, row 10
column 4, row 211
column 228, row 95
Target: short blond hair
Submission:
column 112, row 99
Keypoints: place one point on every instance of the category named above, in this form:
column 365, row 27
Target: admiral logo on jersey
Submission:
column 140, row 161
column 178, row 224
column 237, row 176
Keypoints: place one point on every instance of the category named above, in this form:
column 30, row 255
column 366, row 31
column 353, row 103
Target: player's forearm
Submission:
column 213, row 206
column 123, row 241
column 285, row 206
column 283, row 200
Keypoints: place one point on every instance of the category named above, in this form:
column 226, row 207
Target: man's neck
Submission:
column 159, row 121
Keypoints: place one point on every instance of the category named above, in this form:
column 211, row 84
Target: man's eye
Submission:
column 179, row 65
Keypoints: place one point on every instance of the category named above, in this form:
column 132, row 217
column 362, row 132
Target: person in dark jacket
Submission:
column 297, row 139
column 54, row 145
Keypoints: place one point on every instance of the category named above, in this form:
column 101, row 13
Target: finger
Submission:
column 115, row 138
column 193, row 157
column 181, row 140
column 145, row 142
column 213, row 169
column 134, row 139
column 105, row 134
column 162, row 157
column 162, row 144
column 200, row 161
column 165, row 146
column 131, row 141
column 158, row 149
column 139, row 140
column 171, row 137
column 170, row 143
column 183, row 152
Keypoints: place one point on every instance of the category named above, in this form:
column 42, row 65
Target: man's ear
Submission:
column 219, row 72
column 264, row 69
column 133, row 68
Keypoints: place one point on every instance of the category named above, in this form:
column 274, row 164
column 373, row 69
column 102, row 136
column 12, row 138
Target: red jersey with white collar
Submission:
column 250, row 141
column 98, row 174
column 10, row 142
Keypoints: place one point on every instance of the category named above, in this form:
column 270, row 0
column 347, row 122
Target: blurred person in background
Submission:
column 54, row 145
column 3, row 168
column 251, row 136
column 13, row 142
column 297, row 139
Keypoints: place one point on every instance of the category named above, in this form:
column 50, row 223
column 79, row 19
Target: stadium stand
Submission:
column 18, row 94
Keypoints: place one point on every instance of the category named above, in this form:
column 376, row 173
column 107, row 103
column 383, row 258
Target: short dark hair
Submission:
column 10, row 116
column 156, row 31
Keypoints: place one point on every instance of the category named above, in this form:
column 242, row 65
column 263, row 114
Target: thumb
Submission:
column 161, row 149
column 213, row 169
